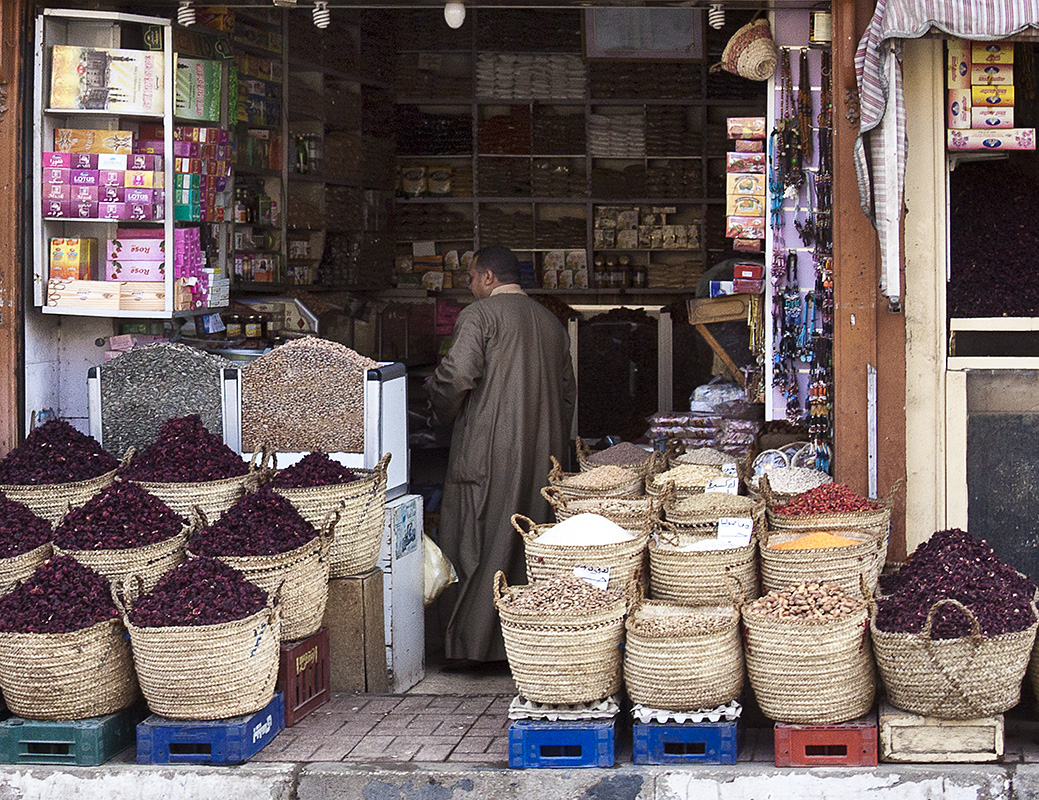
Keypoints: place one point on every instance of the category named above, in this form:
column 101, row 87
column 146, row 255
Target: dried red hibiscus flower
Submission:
column 314, row 469
column 953, row 564
column 20, row 529
column 201, row 591
column 55, row 452
column 260, row 524
column 60, row 597
column 121, row 516
column 185, row 452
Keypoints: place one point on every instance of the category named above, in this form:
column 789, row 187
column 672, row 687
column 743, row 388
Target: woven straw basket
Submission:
column 212, row 497
column 841, row 566
column 973, row 676
column 707, row 456
column 207, row 671
column 876, row 521
column 84, row 673
column 699, row 514
column 631, row 513
column 150, row 562
column 54, row 500
column 631, row 486
column 683, row 672
column 301, row 573
column 362, row 510
column 812, row 672
column 653, row 462
column 623, row 559
column 559, row 658
column 751, row 53
column 664, row 486
column 699, row 577
column 14, row 570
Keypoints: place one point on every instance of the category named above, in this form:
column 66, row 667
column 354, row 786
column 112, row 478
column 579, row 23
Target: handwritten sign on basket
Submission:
column 599, row 577
column 727, row 484
column 735, row 531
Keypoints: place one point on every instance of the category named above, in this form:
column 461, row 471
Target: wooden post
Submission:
column 13, row 26
column 866, row 332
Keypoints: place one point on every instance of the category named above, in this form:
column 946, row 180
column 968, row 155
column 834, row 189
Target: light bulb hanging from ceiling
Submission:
column 716, row 16
column 186, row 13
column 322, row 16
column 454, row 14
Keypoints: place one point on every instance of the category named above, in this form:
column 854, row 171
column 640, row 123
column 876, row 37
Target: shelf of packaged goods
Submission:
column 259, row 52
column 647, row 249
column 109, row 221
column 983, row 324
column 256, row 172
column 116, row 313
column 433, row 101
column 301, row 65
column 100, row 112
column 599, row 201
column 531, row 101
column 304, row 177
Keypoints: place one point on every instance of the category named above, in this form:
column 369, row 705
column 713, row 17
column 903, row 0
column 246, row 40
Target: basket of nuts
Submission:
column 837, row 557
column 562, row 638
column 604, row 481
column 808, row 655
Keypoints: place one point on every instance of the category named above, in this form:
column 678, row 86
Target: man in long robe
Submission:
column 507, row 384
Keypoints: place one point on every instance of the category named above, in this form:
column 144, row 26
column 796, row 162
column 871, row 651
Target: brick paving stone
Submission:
column 402, row 749
column 422, row 725
column 444, row 704
column 342, row 702
column 473, row 744
column 415, row 702
column 474, row 705
column 356, row 727
column 296, row 751
column 371, row 746
column 433, row 752
column 489, row 725
column 382, row 704
column 392, row 723
column 450, row 726
column 335, row 750
column 499, row 747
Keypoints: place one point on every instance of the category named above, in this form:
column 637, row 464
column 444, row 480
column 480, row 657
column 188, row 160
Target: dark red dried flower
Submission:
column 314, row 469
column 20, row 529
column 260, row 524
column 121, row 516
column 62, row 595
column 185, row 452
column 55, row 452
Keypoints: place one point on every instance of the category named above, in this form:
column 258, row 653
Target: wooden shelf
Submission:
column 995, row 324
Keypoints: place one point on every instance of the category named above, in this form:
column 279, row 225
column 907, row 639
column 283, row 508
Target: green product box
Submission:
column 182, row 180
column 198, row 85
column 185, row 213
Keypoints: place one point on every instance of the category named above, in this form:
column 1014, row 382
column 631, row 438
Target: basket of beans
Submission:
column 205, row 641
column 188, row 467
column 847, row 558
column 682, row 481
column 54, row 469
column 624, row 454
column 584, row 540
column 681, row 658
column 25, row 543
column 317, row 485
column 808, row 660
column 697, row 569
column 833, row 506
column 123, row 531
column 954, row 630
column 605, row 481
column 631, row 513
column 265, row 538
column 562, row 638
column 63, row 649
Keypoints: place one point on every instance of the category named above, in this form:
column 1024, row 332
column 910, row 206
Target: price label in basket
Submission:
column 727, row 484
column 599, row 577
column 735, row 531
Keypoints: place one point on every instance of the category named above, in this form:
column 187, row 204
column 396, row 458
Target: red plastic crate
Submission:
column 303, row 675
column 850, row 744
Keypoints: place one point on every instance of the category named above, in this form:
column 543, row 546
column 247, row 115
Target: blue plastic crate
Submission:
column 220, row 741
column 685, row 743
column 536, row 744
column 85, row 742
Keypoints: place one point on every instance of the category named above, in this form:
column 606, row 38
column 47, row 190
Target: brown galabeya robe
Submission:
column 507, row 383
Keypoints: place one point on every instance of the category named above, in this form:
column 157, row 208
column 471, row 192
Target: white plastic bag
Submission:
column 438, row 572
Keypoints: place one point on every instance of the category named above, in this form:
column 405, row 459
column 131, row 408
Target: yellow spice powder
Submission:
column 820, row 540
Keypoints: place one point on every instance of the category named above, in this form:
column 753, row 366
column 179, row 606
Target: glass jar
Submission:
column 233, row 325
column 254, row 327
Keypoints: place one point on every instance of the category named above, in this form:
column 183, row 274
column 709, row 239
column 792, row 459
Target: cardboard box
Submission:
column 998, row 139
column 356, row 633
column 749, row 272
column 135, row 249
column 56, row 175
column 85, row 140
column 84, row 177
column 128, row 81
column 739, row 183
column 198, row 87
column 57, row 208
column 99, row 295
column 57, row 160
column 83, row 210
column 743, row 286
column 988, row 118
column 957, row 64
column 74, row 259
column 745, row 227
column 122, row 270
column 989, row 96
column 112, row 161
column 143, row 161
column 134, row 195
column 142, row 296
column 745, row 206
column 113, row 210
column 110, row 194
column 139, row 178
column 745, row 162
column 992, row 52
column 84, row 194
column 992, row 74
column 957, row 109
column 56, row 191
column 746, row 127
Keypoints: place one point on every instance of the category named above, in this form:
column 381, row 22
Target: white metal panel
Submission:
column 956, row 450
column 401, row 560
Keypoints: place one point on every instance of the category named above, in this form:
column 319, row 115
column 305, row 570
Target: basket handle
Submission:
column 889, row 498
column 527, row 529
column 582, row 448
column 766, row 490
column 670, row 531
column 656, row 462
column 975, row 628
column 500, row 586
column 555, row 498
column 128, row 454
column 199, row 519
column 674, row 447
column 126, row 593
column 260, row 454
column 736, row 591
column 327, row 532
column 555, row 475
column 383, row 464
column 867, row 593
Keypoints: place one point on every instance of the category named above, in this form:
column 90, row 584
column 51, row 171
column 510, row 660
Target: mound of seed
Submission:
column 606, row 477
column 688, row 475
column 157, row 382
column 120, row 516
column 305, row 395
column 794, row 480
column 659, row 621
column 185, row 452
column 624, row 454
column 201, row 591
column 20, row 529
column 55, row 452
column 260, row 524
column 563, row 594
column 61, row 596
column 808, row 600
column 314, row 469
column 706, row 455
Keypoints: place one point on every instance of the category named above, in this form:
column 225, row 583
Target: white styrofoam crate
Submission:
column 401, row 560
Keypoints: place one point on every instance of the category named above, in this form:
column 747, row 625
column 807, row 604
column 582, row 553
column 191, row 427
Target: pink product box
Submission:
column 116, row 210
column 186, row 149
column 136, row 250
column 140, row 233
column 84, row 177
column 745, row 162
column 111, row 177
column 110, row 161
column 957, row 64
column 56, row 174
column 56, row 191
column 143, row 161
column 158, row 211
column 119, row 270
column 992, row 74
column 958, row 109
column 58, row 160
column 134, row 195
column 84, row 194
column 985, row 118
column 152, row 146
column 998, row 139
column 142, row 210
column 110, row 194
column 57, row 208
column 745, row 227
column 84, row 210
column 83, row 161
